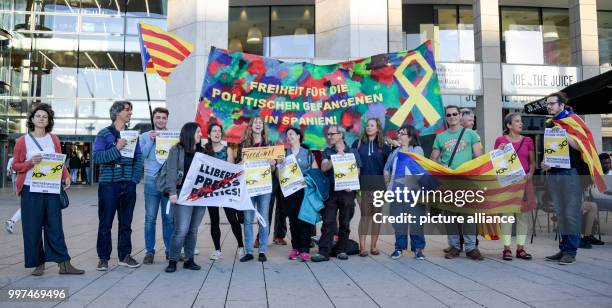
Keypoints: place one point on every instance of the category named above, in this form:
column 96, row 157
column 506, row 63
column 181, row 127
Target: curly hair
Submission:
column 46, row 108
column 247, row 138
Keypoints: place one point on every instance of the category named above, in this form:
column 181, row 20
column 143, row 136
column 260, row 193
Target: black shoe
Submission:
column 319, row 258
column 567, row 260
column 594, row 241
column 585, row 244
column 555, row 257
column 171, row 268
column 247, row 257
column 189, row 264
column 262, row 257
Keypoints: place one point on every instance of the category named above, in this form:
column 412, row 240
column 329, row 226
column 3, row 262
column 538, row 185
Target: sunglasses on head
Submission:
column 454, row 114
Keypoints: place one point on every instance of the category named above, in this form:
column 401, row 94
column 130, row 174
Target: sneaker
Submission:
column 9, row 225
column 148, row 259
column 262, row 257
column 594, row 241
column 171, row 268
column 241, row 252
column 196, row 251
column 102, row 265
column 452, row 253
column 256, row 244
column 474, row 255
column 555, row 257
column 280, row 241
column 419, row 255
column 247, row 257
column 585, row 244
column 319, row 258
column 567, row 259
column 294, row 254
column 129, row 262
column 342, row 256
column 216, row 255
column 190, row 264
column 396, row 254
column 304, row 256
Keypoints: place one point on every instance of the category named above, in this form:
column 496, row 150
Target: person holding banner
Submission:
column 154, row 199
column 452, row 148
column 216, row 149
column 513, row 125
column 256, row 135
column 409, row 142
column 187, row 219
column 291, row 204
column 340, row 206
column 120, row 163
column 373, row 153
column 41, row 212
column 565, row 185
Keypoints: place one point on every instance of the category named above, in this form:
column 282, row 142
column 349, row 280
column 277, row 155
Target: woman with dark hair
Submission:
column 187, row 219
column 300, row 230
column 373, row 153
column 513, row 125
column 256, row 135
column 409, row 142
column 216, row 149
column 41, row 212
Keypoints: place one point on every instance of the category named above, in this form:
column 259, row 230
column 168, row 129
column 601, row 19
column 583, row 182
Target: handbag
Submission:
column 63, row 196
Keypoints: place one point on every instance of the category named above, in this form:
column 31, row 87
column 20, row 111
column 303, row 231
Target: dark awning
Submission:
column 590, row 96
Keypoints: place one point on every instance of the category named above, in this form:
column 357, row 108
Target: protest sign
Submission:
column 131, row 136
column 290, row 176
column 346, row 175
column 47, row 175
column 165, row 140
column 556, row 148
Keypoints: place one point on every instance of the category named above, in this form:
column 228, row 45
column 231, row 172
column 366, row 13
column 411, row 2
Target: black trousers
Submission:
column 340, row 205
column 300, row 230
column 215, row 230
column 42, row 214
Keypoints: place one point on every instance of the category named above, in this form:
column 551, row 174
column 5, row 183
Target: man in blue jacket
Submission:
column 119, row 176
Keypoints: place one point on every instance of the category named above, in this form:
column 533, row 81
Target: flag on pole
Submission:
column 161, row 51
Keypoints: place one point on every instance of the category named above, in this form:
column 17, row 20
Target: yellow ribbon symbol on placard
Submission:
column 415, row 93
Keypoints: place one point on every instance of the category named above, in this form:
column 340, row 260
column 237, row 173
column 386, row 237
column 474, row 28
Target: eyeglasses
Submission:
column 454, row 114
column 331, row 134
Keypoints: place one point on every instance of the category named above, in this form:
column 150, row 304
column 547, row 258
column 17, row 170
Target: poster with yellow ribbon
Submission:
column 556, row 148
column 346, row 173
column 130, row 146
column 47, row 175
column 290, row 176
column 258, row 177
column 507, row 165
column 165, row 140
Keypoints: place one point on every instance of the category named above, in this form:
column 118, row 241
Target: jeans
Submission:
column 74, row 174
column 566, row 196
column 88, row 175
column 119, row 197
column 339, row 208
column 187, row 219
column 280, row 213
column 262, row 204
column 42, row 214
column 153, row 201
column 454, row 235
column 417, row 237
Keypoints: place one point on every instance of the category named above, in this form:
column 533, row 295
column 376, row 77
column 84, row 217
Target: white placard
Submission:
column 459, row 78
column 346, row 173
column 290, row 176
column 131, row 136
column 537, row 79
column 164, row 141
column 556, row 148
column 507, row 165
column 258, row 177
column 47, row 175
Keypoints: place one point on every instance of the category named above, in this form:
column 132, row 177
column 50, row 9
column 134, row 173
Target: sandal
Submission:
column 507, row 255
column 363, row 253
column 522, row 254
column 374, row 252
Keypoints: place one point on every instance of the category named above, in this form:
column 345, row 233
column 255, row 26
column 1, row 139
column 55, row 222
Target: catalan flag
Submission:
column 161, row 51
column 579, row 131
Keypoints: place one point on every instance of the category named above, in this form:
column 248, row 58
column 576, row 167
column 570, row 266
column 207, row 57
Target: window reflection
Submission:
column 57, row 6
column 556, row 36
column 56, row 58
column 100, row 67
column 604, row 33
column 249, row 26
column 148, row 8
column 292, row 29
column 521, row 31
column 102, row 24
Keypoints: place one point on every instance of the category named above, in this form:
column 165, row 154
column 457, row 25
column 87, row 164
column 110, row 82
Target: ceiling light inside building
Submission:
column 254, row 36
column 235, row 44
column 300, row 31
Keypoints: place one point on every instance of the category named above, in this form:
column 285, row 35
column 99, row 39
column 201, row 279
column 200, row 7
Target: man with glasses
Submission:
column 452, row 148
column 467, row 118
column 341, row 204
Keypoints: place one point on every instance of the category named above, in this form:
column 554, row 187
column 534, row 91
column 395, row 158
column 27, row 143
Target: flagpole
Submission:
column 149, row 100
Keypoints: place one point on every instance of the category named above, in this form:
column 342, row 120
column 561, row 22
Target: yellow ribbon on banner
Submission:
column 415, row 93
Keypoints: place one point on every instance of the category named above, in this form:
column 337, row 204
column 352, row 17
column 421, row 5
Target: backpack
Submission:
column 161, row 182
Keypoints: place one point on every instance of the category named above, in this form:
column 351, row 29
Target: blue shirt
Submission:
column 113, row 166
column 304, row 158
column 151, row 165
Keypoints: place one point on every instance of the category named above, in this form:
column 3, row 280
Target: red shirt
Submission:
column 21, row 165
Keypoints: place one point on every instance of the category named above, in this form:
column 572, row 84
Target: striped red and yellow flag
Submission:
column 579, row 132
column 161, row 51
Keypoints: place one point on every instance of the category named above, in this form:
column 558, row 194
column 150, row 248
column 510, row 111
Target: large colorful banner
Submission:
column 396, row 88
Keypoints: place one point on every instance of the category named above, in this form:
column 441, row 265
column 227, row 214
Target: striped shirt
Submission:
column 114, row 167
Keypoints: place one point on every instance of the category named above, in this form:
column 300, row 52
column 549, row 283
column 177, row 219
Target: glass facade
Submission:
column 604, row 33
column 282, row 32
column 79, row 56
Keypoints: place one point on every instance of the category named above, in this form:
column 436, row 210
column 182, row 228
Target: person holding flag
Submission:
column 584, row 160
